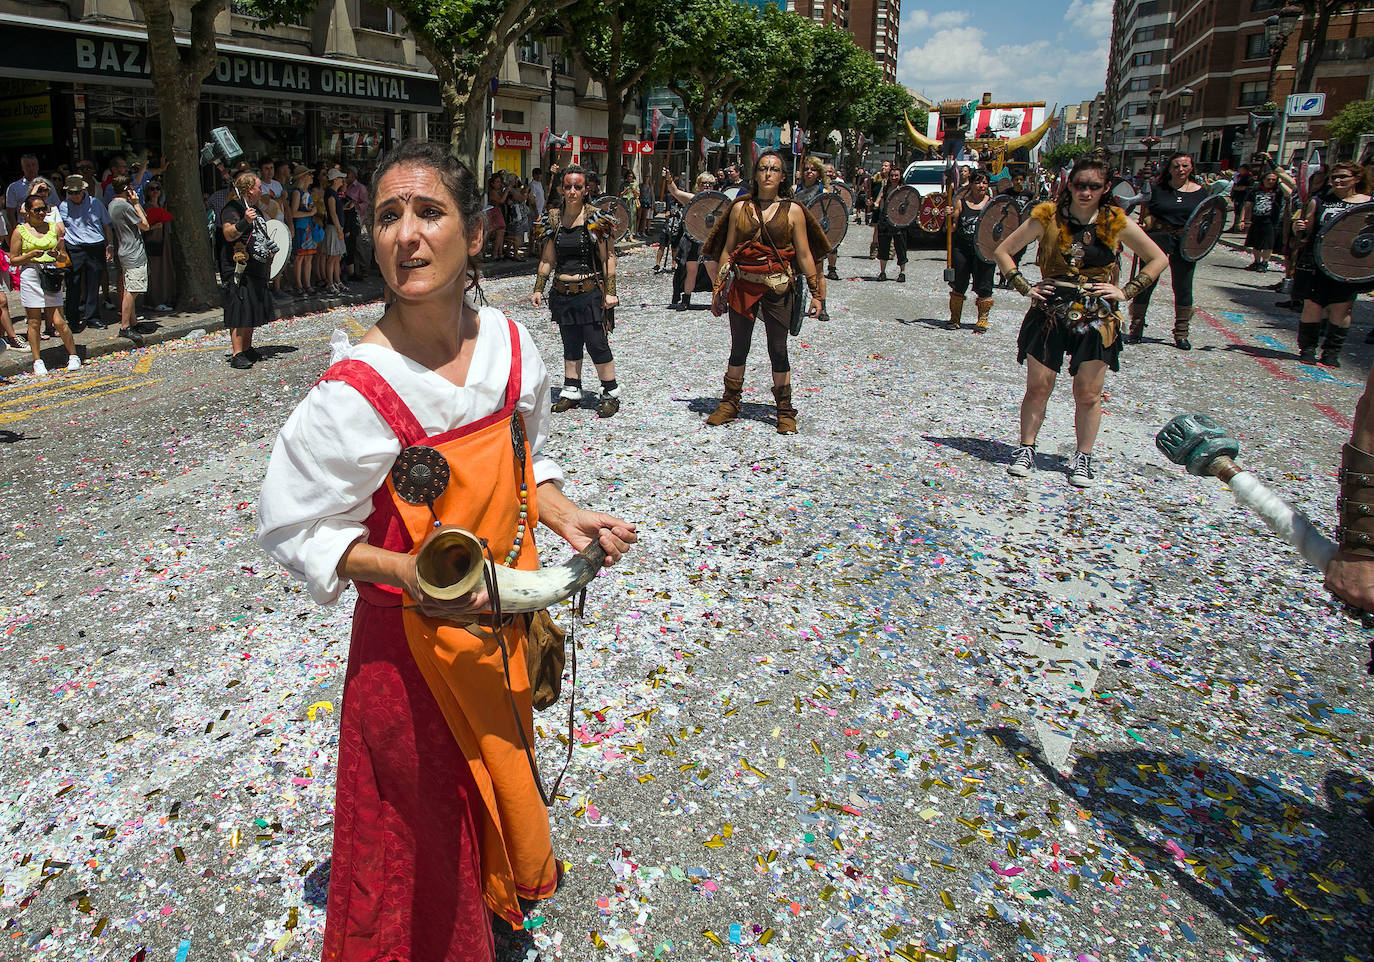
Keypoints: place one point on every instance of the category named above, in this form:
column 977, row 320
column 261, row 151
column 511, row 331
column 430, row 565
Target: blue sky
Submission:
column 1034, row 50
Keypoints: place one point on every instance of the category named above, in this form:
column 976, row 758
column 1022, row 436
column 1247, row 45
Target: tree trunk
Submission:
column 747, row 133
column 176, row 78
column 701, row 127
column 1308, row 73
column 615, row 133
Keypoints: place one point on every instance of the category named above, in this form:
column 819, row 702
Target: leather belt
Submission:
column 777, row 283
column 576, row 287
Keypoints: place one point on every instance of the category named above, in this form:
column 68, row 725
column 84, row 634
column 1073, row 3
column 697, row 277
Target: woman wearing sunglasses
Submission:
column 1349, row 185
column 1074, row 309
column 37, row 250
column 1174, row 197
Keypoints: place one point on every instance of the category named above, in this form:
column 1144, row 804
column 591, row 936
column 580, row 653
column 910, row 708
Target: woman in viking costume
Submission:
column 688, row 249
column 764, row 246
column 438, row 819
column 1349, row 186
column 1173, row 198
column 886, row 232
column 968, row 266
column 577, row 242
column 1074, row 307
column 816, row 180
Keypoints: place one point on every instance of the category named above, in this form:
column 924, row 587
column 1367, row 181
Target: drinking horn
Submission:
column 450, row 565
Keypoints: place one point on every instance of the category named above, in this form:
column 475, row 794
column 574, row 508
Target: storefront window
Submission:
column 263, row 128
column 353, row 137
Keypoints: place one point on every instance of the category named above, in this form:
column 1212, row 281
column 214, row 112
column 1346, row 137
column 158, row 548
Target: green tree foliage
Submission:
column 877, row 116
column 616, row 43
column 178, row 70
column 771, row 96
column 1352, row 121
column 717, row 52
column 1064, row 155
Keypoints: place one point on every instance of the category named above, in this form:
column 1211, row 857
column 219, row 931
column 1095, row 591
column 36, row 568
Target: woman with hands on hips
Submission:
column 1075, row 308
column 439, row 824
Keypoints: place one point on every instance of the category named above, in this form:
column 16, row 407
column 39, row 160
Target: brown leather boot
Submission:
column 1137, row 329
column 787, row 414
column 728, row 408
column 1182, row 315
column 984, row 305
column 956, row 310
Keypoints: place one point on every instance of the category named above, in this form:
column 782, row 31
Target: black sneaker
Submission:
column 252, row 354
column 132, row 334
column 1081, row 470
column 96, row 325
column 901, row 277
column 240, row 362
column 1022, row 462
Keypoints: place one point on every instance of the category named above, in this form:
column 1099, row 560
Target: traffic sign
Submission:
column 1306, row 105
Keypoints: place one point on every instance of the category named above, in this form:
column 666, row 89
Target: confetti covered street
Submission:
column 856, row 694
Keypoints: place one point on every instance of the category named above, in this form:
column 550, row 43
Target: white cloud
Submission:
column 955, row 61
column 923, row 20
column 1090, row 18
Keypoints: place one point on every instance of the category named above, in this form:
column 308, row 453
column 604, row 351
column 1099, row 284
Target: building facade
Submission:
column 1137, row 64
column 873, row 24
column 345, row 83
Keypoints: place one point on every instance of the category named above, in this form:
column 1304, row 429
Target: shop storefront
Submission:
column 73, row 90
column 513, row 151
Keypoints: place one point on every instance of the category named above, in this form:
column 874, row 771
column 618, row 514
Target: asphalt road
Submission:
column 857, row 694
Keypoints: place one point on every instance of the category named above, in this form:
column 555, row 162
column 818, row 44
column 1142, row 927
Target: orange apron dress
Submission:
column 437, row 814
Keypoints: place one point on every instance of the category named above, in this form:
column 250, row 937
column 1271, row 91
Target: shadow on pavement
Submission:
column 1264, row 860
column 934, row 322
column 748, row 411
column 996, row 452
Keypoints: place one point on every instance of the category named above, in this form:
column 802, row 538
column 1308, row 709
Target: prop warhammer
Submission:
column 1203, row 447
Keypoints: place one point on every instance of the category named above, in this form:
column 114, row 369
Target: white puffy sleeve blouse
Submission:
column 335, row 451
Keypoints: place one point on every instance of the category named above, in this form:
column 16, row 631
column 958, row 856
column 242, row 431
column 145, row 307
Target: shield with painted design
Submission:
column 846, row 194
column 903, row 205
column 930, row 217
column 702, row 213
column 830, row 211
column 996, row 222
column 1203, row 229
column 617, row 209
column 1344, row 248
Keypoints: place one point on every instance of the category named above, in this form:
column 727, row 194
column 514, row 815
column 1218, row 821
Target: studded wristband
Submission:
column 1019, row 282
column 1355, row 506
column 1137, row 285
column 610, row 285
column 540, row 282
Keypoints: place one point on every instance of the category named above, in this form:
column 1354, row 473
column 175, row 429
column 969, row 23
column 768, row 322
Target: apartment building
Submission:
column 1137, row 63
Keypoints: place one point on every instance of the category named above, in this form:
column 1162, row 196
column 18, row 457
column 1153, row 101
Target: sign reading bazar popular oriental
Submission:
column 116, row 58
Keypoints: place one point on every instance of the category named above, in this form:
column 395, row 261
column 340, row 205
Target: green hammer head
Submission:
column 1195, row 441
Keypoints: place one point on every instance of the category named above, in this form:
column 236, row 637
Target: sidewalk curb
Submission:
column 177, row 325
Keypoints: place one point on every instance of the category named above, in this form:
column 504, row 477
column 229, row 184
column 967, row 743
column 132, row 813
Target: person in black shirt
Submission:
column 1263, row 212
column 1024, row 198
column 1349, row 187
column 968, row 207
column 1173, row 198
column 577, row 244
column 243, row 254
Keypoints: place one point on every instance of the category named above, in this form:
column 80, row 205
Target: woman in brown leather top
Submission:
column 762, row 266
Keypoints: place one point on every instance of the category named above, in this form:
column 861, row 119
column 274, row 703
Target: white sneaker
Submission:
column 39, row 368
column 73, row 362
column 1081, row 470
column 1022, row 462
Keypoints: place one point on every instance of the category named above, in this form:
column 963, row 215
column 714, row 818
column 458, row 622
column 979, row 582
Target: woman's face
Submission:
column 810, row 175
column 38, row 211
column 768, row 173
column 978, row 186
column 1181, row 167
column 422, row 244
column 1271, row 181
column 575, row 185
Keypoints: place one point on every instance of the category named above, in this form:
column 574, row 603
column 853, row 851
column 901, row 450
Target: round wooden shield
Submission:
column 702, row 212
column 833, row 216
column 616, row 208
column 807, row 194
column 846, row 194
column 420, row 475
column 930, row 217
column 903, row 206
column 1203, row 229
column 1344, row 248
column 996, row 222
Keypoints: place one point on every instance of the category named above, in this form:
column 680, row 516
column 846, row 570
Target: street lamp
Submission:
column 553, row 39
column 1277, row 29
column 1151, row 140
column 1185, row 104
